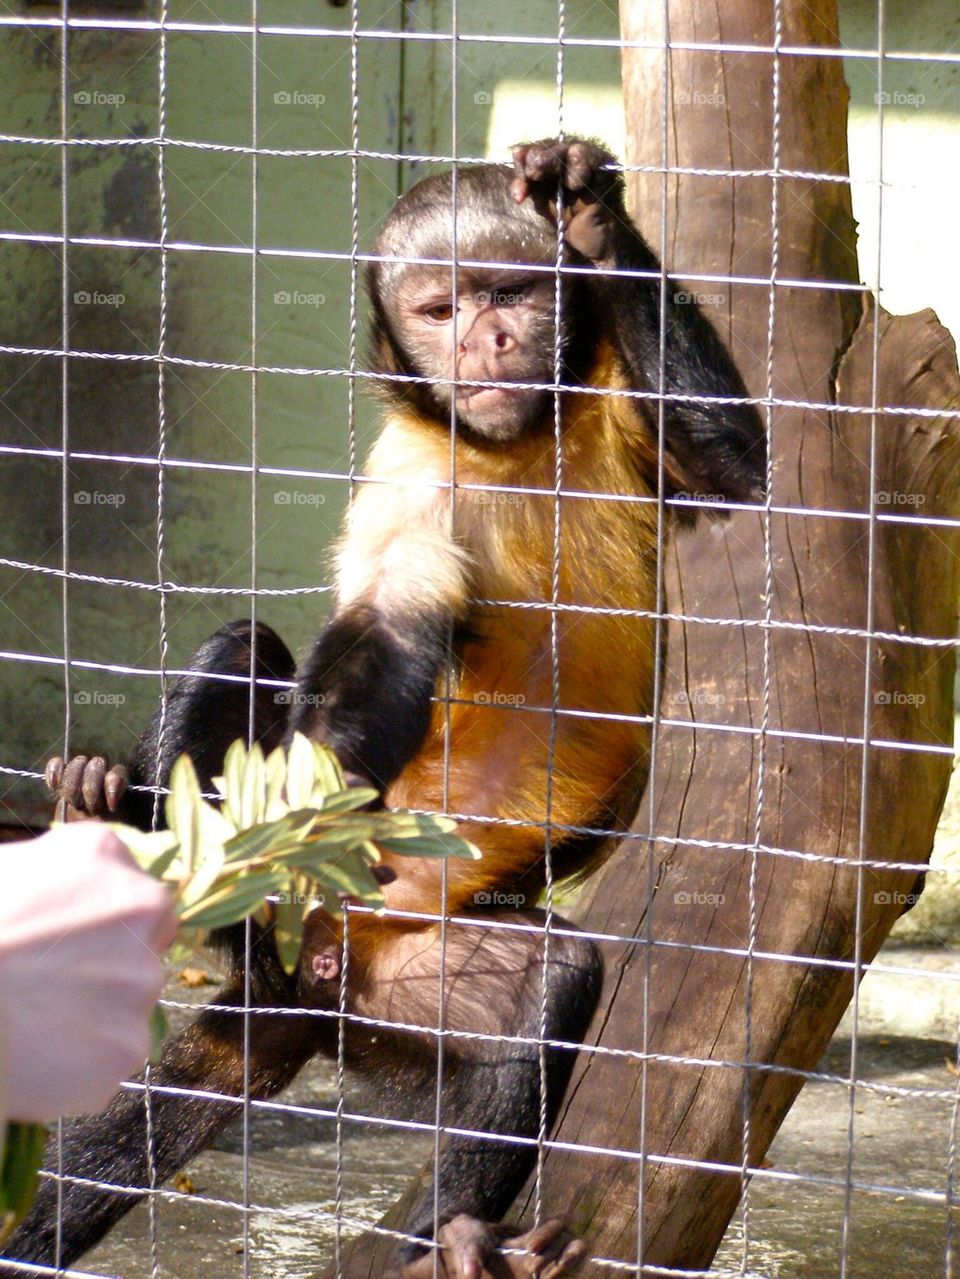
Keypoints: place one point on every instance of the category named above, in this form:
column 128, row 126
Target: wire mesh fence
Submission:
column 191, row 200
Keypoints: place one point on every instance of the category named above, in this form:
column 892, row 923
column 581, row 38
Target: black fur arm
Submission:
column 365, row 689
column 719, row 448
column 366, row 685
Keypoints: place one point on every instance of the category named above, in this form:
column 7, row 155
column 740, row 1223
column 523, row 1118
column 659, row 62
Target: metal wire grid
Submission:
column 166, row 465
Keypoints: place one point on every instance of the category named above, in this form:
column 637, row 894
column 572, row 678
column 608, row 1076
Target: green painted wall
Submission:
column 504, row 92
column 302, row 322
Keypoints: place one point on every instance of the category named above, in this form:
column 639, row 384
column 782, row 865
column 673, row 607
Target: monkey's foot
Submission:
column 85, row 787
column 471, row 1249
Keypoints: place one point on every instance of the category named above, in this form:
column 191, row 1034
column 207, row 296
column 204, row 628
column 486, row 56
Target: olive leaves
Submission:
column 288, row 829
column 288, row 836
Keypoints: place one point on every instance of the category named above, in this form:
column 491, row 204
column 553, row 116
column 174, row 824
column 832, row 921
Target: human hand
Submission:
column 82, row 934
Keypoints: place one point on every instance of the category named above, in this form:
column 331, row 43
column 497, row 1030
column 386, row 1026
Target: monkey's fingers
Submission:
column 591, row 181
column 91, row 784
column 70, row 789
column 582, row 166
column 115, row 785
column 540, row 161
column 53, row 774
column 86, row 787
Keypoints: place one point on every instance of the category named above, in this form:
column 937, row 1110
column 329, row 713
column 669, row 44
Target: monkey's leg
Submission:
column 491, row 1084
column 203, row 716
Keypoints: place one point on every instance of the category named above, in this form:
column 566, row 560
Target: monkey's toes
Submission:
column 576, row 161
column 85, row 787
column 550, row 1251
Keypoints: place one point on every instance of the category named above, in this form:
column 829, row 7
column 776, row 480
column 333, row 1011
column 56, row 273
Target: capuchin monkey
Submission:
column 491, row 655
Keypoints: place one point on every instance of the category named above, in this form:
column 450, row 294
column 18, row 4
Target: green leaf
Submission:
column 410, row 824
column 153, row 850
column 288, row 928
column 211, row 860
column 275, row 768
column 214, row 827
column 320, row 864
column 301, row 772
column 253, row 796
column 270, row 837
column 430, row 846
column 158, row 1032
column 234, row 899
column 344, row 828
column 326, row 769
column 349, row 875
column 182, row 807
column 232, row 789
column 345, row 801
column 22, row 1154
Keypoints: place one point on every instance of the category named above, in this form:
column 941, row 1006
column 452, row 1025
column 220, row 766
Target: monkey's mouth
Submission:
column 496, row 412
column 478, row 397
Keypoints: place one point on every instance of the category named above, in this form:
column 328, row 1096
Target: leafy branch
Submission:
column 288, row 836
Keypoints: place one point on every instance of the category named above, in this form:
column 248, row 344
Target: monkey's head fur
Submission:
column 482, row 344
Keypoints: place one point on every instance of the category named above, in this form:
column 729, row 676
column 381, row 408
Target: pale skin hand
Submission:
column 82, row 935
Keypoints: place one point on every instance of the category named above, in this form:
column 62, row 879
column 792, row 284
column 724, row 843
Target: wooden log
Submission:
column 682, row 996
column 693, row 989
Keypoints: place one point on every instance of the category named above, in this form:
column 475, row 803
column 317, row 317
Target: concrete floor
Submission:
column 901, row 1148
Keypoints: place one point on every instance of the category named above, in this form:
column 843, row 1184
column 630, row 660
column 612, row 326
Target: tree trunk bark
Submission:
column 706, row 1017
column 706, row 1027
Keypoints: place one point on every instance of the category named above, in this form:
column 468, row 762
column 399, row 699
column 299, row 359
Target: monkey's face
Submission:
column 494, row 329
column 487, row 347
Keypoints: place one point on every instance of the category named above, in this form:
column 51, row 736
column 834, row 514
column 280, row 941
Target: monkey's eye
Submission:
column 439, row 313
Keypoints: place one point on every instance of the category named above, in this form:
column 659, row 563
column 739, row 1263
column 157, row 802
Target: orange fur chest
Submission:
column 495, row 748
